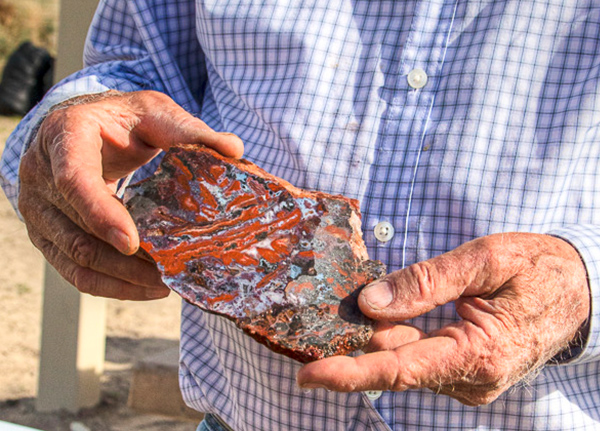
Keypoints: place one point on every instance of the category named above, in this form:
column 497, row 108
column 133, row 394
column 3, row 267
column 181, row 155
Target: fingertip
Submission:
column 324, row 374
column 126, row 243
column 231, row 145
column 376, row 297
column 306, row 375
column 157, row 292
column 304, row 381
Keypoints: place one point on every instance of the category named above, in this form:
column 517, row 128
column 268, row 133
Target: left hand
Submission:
column 522, row 298
column 69, row 176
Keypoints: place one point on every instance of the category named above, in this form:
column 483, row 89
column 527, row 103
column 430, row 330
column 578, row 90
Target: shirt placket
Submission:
column 389, row 212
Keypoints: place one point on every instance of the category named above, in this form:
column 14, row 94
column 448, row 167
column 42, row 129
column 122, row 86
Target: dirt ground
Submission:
column 134, row 330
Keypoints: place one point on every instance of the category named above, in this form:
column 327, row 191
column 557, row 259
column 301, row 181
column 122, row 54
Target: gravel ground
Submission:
column 134, row 330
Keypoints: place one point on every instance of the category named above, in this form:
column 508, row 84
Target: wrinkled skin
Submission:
column 69, row 177
column 522, row 298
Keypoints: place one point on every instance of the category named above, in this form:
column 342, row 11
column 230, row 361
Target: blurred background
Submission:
column 135, row 332
column 27, row 20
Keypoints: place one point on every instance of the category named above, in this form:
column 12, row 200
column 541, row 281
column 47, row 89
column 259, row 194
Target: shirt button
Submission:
column 417, row 78
column 384, row 231
column 373, row 395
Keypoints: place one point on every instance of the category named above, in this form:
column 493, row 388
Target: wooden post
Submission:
column 73, row 325
column 72, row 350
column 74, row 20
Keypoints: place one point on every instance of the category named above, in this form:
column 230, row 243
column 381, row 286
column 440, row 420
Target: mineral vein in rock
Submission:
column 283, row 263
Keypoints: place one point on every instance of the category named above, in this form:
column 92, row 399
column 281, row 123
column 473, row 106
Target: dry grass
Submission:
column 33, row 20
column 134, row 330
column 7, row 125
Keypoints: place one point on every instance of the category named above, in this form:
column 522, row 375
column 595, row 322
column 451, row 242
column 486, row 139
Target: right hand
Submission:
column 69, row 177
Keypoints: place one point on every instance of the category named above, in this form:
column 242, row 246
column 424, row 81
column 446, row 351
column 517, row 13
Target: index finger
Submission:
column 77, row 171
column 162, row 123
column 421, row 364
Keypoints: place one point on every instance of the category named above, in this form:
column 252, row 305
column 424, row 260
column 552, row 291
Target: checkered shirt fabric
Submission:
column 504, row 136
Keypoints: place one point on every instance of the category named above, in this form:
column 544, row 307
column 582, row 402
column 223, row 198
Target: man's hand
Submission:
column 69, row 177
column 522, row 299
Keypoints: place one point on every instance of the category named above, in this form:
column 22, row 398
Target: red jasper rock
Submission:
column 283, row 263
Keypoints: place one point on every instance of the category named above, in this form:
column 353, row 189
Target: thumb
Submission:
column 469, row 270
column 163, row 123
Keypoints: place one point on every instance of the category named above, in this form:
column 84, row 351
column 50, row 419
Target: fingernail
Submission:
column 119, row 240
column 378, row 295
column 306, row 390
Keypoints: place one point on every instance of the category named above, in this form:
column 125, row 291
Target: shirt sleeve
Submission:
column 133, row 45
column 586, row 239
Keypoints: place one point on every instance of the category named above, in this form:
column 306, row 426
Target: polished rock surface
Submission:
column 283, row 263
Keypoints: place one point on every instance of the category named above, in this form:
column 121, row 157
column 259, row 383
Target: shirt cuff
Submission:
column 60, row 94
column 21, row 138
column 586, row 240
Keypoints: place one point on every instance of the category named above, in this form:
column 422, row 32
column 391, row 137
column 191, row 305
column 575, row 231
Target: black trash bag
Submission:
column 26, row 78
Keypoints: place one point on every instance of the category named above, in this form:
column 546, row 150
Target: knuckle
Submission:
column 493, row 249
column 51, row 253
column 491, row 370
column 85, row 281
column 52, row 124
column 472, row 393
column 424, row 278
column 480, row 368
column 171, row 111
column 152, row 96
column 186, row 121
column 84, row 251
column 148, row 100
column 48, row 249
column 488, row 373
column 54, row 128
column 95, row 284
column 489, row 382
column 64, row 181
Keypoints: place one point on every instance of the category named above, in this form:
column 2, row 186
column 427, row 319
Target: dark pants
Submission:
column 211, row 423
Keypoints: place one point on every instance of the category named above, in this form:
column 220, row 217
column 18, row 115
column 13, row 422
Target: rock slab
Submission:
column 284, row 264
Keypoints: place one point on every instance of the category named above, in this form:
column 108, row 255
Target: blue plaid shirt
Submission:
column 449, row 119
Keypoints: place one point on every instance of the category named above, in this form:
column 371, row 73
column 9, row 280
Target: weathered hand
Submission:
column 69, row 177
column 522, row 299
